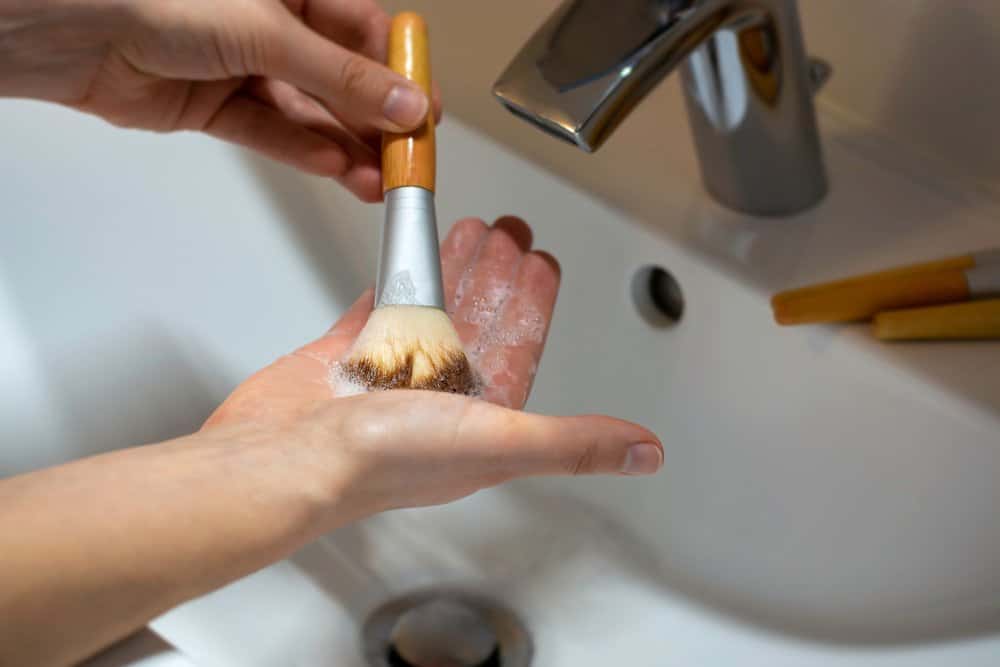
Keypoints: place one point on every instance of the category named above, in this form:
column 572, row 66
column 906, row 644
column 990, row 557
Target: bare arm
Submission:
column 92, row 550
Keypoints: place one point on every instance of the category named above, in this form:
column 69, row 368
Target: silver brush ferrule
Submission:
column 409, row 264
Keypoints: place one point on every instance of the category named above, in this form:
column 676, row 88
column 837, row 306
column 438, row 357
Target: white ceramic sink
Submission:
column 825, row 500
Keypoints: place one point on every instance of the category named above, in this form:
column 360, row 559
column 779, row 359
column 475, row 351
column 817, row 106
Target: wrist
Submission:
column 298, row 475
column 51, row 49
column 157, row 524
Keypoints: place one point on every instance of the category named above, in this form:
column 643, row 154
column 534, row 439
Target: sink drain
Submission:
column 445, row 628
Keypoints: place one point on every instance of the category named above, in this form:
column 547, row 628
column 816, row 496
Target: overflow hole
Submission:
column 657, row 296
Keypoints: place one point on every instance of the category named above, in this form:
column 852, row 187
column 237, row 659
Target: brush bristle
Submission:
column 409, row 347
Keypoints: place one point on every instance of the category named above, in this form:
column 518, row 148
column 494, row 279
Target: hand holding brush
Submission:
column 284, row 461
column 99, row 546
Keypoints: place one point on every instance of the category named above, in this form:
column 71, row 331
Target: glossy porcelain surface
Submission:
column 825, row 501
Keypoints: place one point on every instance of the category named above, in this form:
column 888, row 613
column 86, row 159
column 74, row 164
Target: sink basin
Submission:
column 825, row 500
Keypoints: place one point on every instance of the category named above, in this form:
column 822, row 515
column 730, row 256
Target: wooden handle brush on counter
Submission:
column 861, row 297
column 976, row 320
column 409, row 159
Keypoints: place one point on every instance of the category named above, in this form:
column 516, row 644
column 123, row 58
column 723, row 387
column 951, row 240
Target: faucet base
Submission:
column 748, row 90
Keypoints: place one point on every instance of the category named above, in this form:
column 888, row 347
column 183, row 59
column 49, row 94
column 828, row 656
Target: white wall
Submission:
column 923, row 72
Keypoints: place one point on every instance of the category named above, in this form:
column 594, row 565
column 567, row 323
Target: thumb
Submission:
column 584, row 445
column 358, row 90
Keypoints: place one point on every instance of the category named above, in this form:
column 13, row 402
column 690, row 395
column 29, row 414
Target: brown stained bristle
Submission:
column 409, row 347
column 454, row 375
column 373, row 376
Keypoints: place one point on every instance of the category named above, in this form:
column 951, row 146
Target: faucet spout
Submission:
column 746, row 81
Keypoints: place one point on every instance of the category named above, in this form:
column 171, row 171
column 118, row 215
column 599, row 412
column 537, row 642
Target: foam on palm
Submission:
column 494, row 329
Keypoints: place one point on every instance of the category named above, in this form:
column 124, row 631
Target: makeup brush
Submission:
column 975, row 320
column 961, row 278
column 409, row 342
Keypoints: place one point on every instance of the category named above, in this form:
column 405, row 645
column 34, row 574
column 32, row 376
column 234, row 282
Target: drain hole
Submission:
column 445, row 628
column 657, row 296
column 396, row 660
column 443, row 633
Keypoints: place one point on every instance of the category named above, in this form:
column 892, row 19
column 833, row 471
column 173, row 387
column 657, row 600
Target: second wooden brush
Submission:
column 979, row 320
column 856, row 299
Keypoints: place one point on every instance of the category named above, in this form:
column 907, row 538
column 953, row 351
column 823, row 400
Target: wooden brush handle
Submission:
column 408, row 159
column 976, row 320
column 855, row 300
column 960, row 262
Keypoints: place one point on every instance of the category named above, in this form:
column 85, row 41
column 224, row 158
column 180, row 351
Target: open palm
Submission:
column 500, row 295
column 405, row 448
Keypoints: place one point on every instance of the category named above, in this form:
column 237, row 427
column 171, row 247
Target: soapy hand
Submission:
column 407, row 448
column 100, row 546
column 297, row 80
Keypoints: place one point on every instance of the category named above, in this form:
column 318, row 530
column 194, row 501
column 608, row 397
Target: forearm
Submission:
column 92, row 550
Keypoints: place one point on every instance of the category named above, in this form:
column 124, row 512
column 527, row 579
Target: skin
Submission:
column 300, row 81
column 92, row 550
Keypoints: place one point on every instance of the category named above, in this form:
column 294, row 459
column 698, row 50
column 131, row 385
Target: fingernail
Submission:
column 643, row 458
column 405, row 106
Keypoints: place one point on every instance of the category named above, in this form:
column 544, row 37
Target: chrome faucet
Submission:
column 747, row 83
